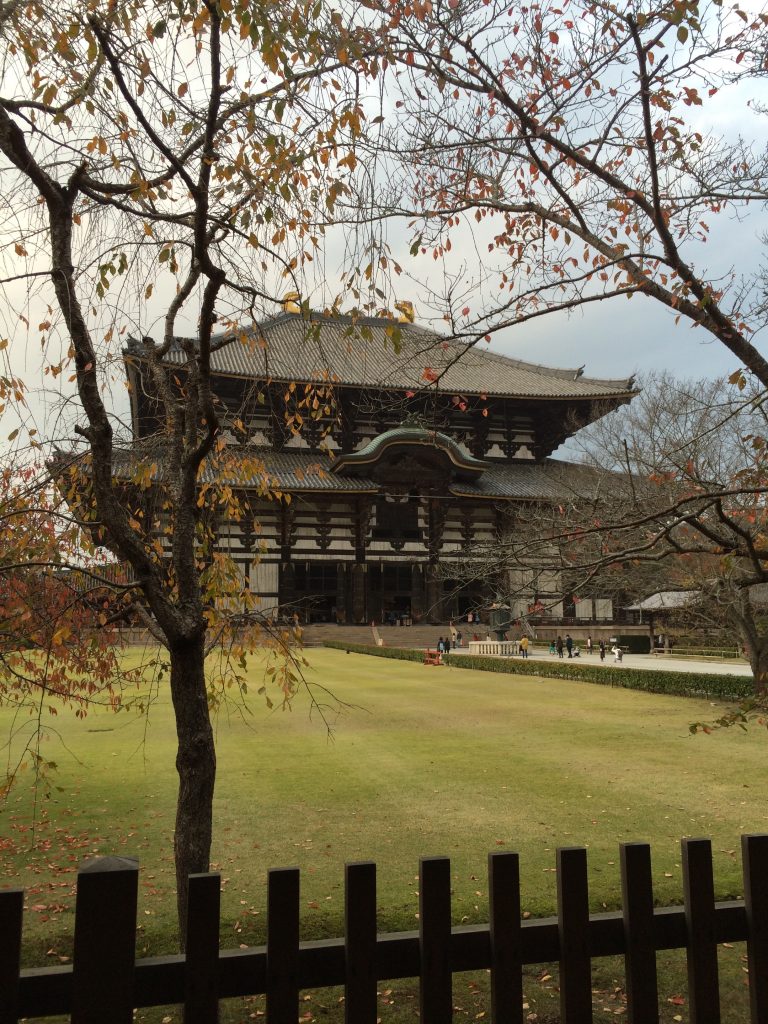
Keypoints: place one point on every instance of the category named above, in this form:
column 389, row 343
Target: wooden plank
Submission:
column 506, row 938
column 699, row 898
column 754, row 855
column 11, row 912
column 640, row 955
column 360, row 1005
column 435, row 980
column 105, row 941
column 283, row 946
column 573, row 930
column 201, row 1005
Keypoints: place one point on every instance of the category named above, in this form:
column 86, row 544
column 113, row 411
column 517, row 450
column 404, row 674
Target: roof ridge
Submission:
column 419, row 342
column 440, row 339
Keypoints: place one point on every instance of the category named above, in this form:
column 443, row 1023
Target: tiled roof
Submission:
column 304, row 471
column 549, row 480
column 254, row 467
column 362, row 353
column 665, row 600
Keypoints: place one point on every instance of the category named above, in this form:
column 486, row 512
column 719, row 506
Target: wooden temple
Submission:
column 401, row 451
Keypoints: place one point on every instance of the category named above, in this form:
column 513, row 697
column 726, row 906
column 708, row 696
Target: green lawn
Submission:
column 423, row 761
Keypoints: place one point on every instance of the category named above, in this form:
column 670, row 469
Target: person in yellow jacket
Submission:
column 524, row 646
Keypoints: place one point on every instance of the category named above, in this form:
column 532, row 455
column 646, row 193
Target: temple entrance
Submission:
column 461, row 598
column 316, row 591
column 390, row 593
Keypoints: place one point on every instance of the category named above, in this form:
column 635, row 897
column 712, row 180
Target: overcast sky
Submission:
column 614, row 339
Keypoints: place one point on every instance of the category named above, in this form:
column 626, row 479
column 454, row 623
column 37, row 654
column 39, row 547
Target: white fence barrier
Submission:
column 502, row 648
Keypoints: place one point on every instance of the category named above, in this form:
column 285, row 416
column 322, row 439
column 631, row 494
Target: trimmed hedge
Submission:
column 681, row 684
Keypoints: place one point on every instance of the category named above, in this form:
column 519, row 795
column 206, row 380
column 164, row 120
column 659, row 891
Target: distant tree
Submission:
column 168, row 170
column 699, row 446
column 566, row 145
column 673, row 495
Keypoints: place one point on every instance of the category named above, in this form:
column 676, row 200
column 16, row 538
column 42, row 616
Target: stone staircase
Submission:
column 421, row 636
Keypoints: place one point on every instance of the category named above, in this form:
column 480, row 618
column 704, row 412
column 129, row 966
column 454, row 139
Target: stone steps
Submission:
column 420, row 636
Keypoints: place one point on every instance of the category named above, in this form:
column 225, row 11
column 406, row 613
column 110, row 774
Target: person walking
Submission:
column 589, row 644
column 602, row 650
column 524, row 646
column 559, row 646
column 617, row 654
column 454, row 633
column 569, row 644
column 458, row 638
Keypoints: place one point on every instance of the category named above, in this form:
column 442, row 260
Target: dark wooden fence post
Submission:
column 11, row 910
column 360, row 1005
column 105, row 941
column 754, row 855
column 436, row 980
column 573, row 928
column 640, row 956
column 201, row 1005
column 283, row 946
column 699, row 896
column 506, row 938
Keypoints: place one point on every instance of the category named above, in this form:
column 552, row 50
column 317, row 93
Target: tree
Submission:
column 172, row 166
column 45, row 605
column 672, row 496
column 566, row 144
column 697, row 451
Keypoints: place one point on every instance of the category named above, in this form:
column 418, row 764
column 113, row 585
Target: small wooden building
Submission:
column 400, row 451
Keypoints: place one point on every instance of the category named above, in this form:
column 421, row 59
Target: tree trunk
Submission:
column 196, row 765
column 757, row 653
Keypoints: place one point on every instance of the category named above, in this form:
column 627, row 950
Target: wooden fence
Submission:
column 105, row 981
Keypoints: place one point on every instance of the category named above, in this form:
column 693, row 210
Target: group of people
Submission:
column 560, row 647
column 445, row 643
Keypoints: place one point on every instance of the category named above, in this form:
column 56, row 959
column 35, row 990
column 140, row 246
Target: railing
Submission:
column 721, row 653
column 503, row 648
column 105, row 983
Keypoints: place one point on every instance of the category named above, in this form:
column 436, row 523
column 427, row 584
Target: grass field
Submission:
column 423, row 761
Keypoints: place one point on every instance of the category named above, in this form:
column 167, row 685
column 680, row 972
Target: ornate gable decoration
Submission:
column 411, row 458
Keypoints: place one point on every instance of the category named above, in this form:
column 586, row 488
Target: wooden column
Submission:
column 435, row 517
column 358, row 592
column 434, row 594
column 417, row 591
column 341, row 592
column 287, row 585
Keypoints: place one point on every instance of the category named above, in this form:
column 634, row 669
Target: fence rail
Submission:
column 105, row 982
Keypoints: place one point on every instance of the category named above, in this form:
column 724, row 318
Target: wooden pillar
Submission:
column 287, row 585
column 341, row 592
column 417, row 591
column 434, row 594
column 358, row 592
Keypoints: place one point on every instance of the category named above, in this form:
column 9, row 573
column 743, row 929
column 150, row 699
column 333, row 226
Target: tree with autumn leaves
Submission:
column 59, row 606
column 671, row 495
column 566, row 144
column 169, row 171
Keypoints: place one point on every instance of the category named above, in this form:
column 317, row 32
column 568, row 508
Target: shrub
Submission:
column 683, row 684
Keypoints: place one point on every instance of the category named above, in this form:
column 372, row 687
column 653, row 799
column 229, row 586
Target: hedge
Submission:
column 682, row 684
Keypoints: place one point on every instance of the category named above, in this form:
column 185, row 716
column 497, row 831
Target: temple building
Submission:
column 401, row 452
